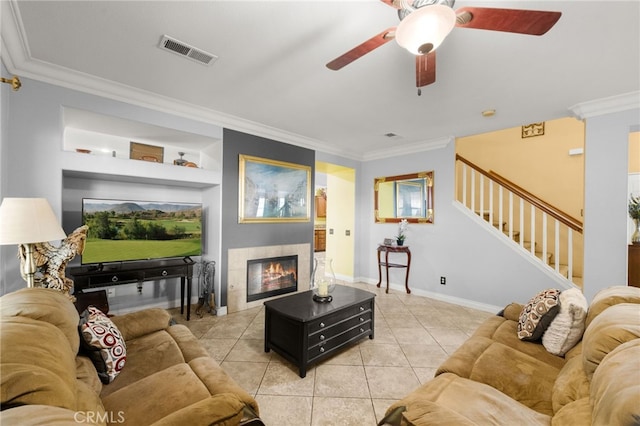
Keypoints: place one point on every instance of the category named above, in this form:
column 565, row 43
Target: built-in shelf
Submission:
column 106, row 168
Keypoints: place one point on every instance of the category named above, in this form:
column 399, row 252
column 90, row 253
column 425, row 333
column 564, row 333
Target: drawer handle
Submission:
column 322, row 337
column 321, row 349
column 321, row 324
column 361, row 330
column 361, row 319
column 164, row 273
column 361, row 308
column 114, row 279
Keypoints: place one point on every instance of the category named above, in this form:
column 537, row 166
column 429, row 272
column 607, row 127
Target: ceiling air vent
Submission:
column 183, row 49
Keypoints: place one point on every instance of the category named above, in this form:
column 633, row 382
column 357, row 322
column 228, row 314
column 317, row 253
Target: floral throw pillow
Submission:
column 103, row 343
column 537, row 314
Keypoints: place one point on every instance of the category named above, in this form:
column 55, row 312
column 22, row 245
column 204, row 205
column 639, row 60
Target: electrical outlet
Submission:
column 111, row 292
column 443, row 280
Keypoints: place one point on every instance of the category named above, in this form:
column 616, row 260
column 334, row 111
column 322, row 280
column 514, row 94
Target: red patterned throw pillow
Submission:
column 103, row 343
column 536, row 315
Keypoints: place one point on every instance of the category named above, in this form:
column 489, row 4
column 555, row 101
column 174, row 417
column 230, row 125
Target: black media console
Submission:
column 112, row 274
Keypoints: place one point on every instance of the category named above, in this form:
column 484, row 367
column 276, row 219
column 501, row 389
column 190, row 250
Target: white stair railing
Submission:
column 528, row 219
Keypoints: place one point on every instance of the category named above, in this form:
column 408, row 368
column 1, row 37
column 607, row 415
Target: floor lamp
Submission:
column 25, row 221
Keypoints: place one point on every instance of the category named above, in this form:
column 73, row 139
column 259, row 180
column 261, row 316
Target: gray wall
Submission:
column 478, row 267
column 238, row 235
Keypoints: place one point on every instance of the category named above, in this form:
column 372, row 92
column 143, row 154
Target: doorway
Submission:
column 339, row 222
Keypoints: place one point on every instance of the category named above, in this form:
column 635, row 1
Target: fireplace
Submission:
column 273, row 276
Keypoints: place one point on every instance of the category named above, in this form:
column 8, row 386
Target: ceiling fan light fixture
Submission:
column 425, row 28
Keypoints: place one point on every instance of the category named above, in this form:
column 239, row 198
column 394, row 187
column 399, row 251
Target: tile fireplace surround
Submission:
column 237, row 272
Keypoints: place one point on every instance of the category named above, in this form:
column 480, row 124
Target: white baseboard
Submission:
column 439, row 296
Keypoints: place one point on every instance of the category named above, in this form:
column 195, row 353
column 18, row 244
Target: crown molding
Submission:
column 18, row 60
column 409, row 149
column 612, row 104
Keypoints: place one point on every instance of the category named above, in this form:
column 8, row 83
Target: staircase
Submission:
column 544, row 233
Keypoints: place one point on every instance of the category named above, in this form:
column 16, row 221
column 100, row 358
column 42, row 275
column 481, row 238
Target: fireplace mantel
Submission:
column 237, row 271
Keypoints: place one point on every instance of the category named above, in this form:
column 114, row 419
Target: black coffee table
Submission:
column 304, row 331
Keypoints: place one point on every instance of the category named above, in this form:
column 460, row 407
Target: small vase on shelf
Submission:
column 400, row 242
column 323, row 280
column 635, row 237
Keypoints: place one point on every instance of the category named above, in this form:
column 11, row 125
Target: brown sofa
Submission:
column 495, row 378
column 168, row 377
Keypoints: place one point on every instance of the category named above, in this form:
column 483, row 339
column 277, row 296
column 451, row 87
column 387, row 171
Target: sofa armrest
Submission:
column 222, row 409
column 512, row 311
column 141, row 323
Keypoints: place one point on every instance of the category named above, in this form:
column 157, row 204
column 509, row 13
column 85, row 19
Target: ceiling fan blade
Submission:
column 532, row 22
column 426, row 69
column 362, row 49
column 392, row 3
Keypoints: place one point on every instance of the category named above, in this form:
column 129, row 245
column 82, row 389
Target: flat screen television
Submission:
column 126, row 230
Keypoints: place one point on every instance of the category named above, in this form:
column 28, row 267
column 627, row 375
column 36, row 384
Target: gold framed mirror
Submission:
column 407, row 197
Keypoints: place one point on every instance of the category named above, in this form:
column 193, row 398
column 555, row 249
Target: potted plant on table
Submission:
column 402, row 232
column 634, row 213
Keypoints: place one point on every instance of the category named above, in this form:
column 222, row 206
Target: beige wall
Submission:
column 541, row 164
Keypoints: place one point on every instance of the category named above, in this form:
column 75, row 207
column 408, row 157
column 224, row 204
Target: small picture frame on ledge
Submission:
column 389, row 241
column 141, row 151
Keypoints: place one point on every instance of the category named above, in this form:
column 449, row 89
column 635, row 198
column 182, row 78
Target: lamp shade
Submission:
column 424, row 29
column 28, row 220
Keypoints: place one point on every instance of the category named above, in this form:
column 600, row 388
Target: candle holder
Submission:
column 323, row 280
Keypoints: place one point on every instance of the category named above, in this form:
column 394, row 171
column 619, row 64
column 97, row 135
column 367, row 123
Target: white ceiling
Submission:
column 270, row 78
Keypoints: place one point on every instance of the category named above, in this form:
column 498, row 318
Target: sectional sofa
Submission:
column 165, row 377
column 495, row 378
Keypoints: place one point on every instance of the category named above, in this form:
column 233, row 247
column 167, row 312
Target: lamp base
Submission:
column 322, row 299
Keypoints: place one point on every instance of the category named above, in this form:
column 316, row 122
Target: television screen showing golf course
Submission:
column 122, row 230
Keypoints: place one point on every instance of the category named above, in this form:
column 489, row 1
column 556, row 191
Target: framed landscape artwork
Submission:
column 273, row 191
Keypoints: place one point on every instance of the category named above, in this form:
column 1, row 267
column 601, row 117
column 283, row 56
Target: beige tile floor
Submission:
column 413, row 335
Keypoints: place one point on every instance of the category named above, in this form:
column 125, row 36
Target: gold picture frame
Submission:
column 141, row 151
column 532, row 130
column 271, row 191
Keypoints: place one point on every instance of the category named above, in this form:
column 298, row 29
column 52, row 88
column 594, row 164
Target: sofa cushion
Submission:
column 465, row 401
column 146, row 355
column 224, row 409
column 177, row 387
column 518, row 375
column 505, row 331
column 103, row 343
column 613, row 327
column 44, row 304
column 567, row 327
column 38, row 366
column 537, row 314
column 576, row 413
column 86, row 373
column 615, row 388
column 571, row 384
column 140, row 323
column 38, row 415
column 611, row 296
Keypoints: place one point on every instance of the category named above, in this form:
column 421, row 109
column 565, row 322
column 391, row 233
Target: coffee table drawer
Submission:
column 339, row 327
column 348, row 335
column 332, row 319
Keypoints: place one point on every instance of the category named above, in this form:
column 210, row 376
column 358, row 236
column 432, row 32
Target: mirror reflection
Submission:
column 407, row 196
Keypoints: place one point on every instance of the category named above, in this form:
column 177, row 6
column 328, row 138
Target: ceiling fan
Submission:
column 424, row 24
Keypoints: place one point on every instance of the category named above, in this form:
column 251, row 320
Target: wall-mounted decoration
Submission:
column 401, row 197
column 273, row 191
column 533, row 129
column 140, row 151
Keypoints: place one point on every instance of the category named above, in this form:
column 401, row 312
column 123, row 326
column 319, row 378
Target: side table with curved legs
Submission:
column 393, row 249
